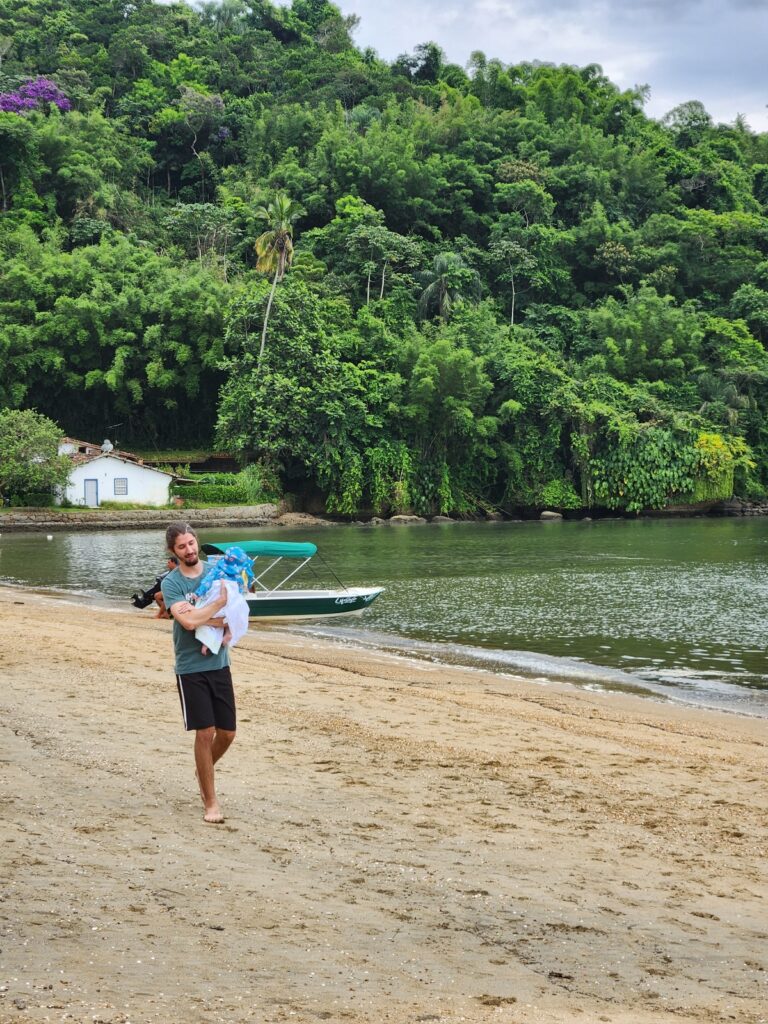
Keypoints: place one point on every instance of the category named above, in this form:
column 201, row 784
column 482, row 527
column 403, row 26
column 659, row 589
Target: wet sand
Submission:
column 404, row 842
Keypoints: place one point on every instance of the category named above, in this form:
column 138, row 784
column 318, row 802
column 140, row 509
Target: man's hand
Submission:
column 190, row 617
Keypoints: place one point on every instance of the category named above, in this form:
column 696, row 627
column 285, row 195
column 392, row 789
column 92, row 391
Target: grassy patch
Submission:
column 173, row 456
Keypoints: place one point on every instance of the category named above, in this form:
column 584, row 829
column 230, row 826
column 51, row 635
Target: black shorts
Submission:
column 207, row 699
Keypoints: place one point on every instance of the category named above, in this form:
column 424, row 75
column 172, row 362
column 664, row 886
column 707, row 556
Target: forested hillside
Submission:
column 499, row 285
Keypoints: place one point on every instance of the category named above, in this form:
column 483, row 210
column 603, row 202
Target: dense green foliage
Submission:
column 250, row 486
column 401, row 286
column 30, row 464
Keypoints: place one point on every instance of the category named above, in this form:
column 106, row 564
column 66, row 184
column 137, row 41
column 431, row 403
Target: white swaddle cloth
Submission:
column 235, row 611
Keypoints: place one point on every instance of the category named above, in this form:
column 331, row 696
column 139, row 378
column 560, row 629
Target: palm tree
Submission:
column 447, row 283
column 722, row 399
column 274, row 248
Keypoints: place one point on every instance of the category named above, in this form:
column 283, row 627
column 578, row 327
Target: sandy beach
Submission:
column 404, row 842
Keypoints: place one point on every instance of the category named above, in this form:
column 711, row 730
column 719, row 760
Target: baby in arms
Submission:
column 235, row 571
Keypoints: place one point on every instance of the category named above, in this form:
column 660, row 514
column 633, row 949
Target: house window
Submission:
column 121, row 485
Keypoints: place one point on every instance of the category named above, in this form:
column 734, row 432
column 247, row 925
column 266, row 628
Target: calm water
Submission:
column 669, row 607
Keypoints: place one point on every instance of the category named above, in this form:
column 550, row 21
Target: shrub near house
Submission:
column 31, row 465
column 251, row 486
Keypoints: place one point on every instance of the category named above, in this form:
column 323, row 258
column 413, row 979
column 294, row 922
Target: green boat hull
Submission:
column 306, row 604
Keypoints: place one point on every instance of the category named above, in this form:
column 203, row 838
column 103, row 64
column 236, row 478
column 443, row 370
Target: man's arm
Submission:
column 183, row 606
column 189, row 617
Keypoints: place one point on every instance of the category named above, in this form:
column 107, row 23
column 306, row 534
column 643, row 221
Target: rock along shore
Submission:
column 39, row 519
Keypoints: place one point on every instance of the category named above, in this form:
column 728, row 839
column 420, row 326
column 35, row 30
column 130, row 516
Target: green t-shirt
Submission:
column 188, row 648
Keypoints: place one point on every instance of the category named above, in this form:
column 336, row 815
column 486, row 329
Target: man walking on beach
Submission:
column 204, row 680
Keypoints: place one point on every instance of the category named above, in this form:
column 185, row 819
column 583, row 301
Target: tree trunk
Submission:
column 512, row 315
column 266, row 319
column 202, row 168
column 368, row 289
column 2, row 182
column 383, row 278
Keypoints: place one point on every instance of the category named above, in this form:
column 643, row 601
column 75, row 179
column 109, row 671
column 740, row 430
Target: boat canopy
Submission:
column 267, row 548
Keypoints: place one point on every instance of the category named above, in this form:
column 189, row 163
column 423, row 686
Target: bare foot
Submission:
column 213, row 815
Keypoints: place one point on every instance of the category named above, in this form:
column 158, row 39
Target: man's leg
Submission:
column 222, row 741
column 210, row 746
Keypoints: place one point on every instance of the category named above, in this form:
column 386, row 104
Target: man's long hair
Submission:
column 176, row 529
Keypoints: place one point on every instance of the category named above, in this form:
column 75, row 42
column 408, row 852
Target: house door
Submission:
column 92, row 493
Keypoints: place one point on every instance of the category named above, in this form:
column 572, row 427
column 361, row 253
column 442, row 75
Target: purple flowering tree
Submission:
column 32, row 95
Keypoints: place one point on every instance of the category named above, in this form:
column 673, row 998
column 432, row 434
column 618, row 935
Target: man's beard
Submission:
column 191, row 559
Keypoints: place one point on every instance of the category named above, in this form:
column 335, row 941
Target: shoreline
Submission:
column 403, row 841
column 136, row 519
column 380, row 647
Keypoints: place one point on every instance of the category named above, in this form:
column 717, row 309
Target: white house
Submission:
column 99, row 473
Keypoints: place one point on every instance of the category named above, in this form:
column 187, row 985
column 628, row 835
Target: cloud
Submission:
column 683, row 49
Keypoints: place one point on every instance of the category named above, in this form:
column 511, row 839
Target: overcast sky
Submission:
column 715, row 51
